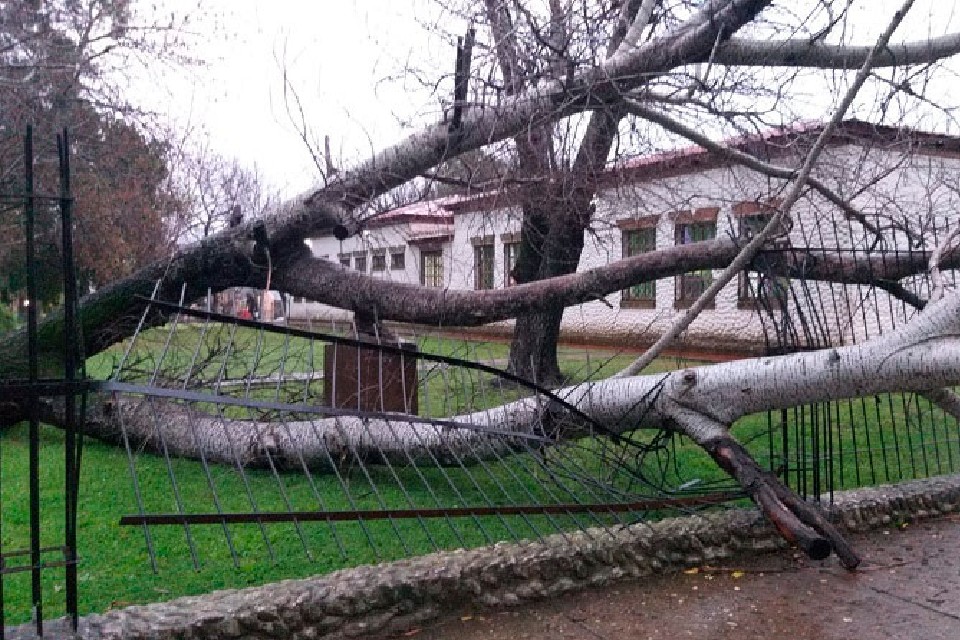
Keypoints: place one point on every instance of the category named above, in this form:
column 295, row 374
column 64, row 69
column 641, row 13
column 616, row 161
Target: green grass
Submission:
column 225, row 351
column 115, row 568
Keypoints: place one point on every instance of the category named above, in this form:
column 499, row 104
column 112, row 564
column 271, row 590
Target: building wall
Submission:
column 401, row 238
column 885, row 185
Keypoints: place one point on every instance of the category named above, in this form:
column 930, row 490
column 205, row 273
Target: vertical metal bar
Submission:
column 132, row 464
column 303, row 463
column 815, row 429
column 201, row 341
column 252, row 373
column 2, row 616
column 171, row 473
column 70, row 374
column 345, row 489
column 33, row 373
column 223, row 374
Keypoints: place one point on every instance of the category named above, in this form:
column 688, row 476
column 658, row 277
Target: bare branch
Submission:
column 640, row 22
column 817, row 55
column 793, row 194
column 936, row 277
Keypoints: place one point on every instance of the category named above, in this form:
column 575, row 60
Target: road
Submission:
column 907, row 587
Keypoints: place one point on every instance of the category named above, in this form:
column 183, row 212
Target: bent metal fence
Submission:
column 394, row 447
column 365, row 444
column 402, row 448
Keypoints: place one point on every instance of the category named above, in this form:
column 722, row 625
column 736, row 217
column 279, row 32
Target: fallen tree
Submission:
column 700, row 403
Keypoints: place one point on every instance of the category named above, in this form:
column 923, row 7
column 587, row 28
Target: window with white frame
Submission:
column 431, row 268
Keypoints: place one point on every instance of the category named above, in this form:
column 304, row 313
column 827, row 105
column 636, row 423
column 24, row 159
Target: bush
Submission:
column 8, row 319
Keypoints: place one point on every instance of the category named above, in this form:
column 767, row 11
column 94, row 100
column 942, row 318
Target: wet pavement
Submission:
column 908, row 586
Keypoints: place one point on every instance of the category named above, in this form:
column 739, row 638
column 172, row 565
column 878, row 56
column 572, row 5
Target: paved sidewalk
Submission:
column 907, row 587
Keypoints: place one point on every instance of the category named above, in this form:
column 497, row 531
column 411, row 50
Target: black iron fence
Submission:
column 886, row 438
column 60, row 383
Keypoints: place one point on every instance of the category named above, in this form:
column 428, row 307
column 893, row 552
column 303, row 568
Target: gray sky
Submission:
column 339, row 56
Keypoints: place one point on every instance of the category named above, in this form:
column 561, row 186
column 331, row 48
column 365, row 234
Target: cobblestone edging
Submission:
column 376, row 599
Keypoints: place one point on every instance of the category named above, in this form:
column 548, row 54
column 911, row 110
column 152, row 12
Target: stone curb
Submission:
column 379, row 599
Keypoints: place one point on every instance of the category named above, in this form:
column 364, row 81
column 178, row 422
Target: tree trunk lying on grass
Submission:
column 701, row 403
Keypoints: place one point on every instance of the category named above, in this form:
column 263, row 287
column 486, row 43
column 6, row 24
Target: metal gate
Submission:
column 60, row 386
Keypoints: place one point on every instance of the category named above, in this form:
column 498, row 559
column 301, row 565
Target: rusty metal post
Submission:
column 368, row 379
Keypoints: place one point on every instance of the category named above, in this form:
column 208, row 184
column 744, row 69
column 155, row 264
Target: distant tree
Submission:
column 63, row 63
column 217, row 192
column 471, row 172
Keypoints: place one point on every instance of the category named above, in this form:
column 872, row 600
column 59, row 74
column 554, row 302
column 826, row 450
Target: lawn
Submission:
column 852, row 443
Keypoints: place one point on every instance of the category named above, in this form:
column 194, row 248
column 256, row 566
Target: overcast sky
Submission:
column 340, row 58
column 343, row 57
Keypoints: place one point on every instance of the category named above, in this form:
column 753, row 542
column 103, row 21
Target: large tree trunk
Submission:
column 550, row 246
column 701, row 403
column 533, row 350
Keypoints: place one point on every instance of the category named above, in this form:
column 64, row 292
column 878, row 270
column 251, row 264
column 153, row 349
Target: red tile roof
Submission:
column 435, row 210
column 693, row 158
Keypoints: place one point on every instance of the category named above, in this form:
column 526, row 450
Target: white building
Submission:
column 898, row 179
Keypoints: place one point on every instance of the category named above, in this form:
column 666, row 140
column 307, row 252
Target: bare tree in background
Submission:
column 68, row 63
column 220, row 193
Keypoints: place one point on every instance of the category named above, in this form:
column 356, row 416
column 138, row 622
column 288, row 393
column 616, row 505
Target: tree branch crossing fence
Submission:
column 362, row 444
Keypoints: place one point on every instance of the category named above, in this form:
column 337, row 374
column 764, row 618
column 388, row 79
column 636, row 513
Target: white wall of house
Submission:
column 715, row 329
column 879, row 181
column 475, row 227
column 403, row 238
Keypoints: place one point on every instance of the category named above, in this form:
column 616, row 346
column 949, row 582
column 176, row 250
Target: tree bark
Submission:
column 557, row 249
column 556, row 227
column 817, row 54
column 533, row 348
column 700, row 402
